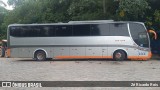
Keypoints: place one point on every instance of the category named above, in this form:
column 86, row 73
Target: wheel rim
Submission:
column 40, row 56
column 118, row 55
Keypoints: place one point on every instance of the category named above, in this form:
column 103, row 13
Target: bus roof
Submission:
column 93, row 21
column 77, row 22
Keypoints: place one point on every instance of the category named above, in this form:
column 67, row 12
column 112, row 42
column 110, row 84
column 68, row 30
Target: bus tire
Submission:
column 2, row 52
column 119, row 55
column 40, row 55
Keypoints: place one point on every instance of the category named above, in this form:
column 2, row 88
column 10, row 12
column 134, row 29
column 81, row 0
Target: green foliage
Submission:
column 16, row 3
column 84, row 10
column 157, row 16
column 52, row 11
column 3, row 12
column 132, row 9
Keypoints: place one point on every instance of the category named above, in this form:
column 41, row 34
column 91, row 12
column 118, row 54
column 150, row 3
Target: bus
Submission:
column 118, row 40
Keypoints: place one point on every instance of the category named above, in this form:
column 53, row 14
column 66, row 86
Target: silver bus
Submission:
column 116, row 40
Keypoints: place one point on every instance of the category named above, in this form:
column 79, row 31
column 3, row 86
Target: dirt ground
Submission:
column 15, row 69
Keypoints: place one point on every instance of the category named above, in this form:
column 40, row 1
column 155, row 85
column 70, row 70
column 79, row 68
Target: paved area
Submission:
column 14, row 69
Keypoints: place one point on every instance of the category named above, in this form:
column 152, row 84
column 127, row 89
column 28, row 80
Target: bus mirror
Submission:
column 154, row 33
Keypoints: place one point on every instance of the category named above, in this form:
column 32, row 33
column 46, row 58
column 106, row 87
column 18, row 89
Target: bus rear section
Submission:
column 141, row 39
column 106, row 40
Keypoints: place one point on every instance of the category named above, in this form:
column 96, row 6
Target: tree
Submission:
column 3, row 12
column 16, row 3
column 132, row 9
column 155, row 4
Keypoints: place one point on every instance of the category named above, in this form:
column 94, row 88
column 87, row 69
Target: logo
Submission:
column 6, row 84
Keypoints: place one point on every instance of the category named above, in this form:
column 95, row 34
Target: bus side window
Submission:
column 95, row 31
column 100, row 30
column 81, row 30
column 118, row 29
column 64, row 30
column 26, row 31
column 52, row 31
column 13, row 31
column 16, row 31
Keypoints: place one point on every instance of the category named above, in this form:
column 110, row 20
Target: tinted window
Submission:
column 118, row 29
column 81, row 30
column 100, row 30
column 135, row 29
column 13, row 31
column 32, row 31
column 64, row 30
column 139, row 34
column 36, row 31
column 49, row 31
column 18, row 31
column 42, row 31
column 69, row 30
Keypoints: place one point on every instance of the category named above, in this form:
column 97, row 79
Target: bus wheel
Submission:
column 119, row 55
column 2, row 52
column 40, row 56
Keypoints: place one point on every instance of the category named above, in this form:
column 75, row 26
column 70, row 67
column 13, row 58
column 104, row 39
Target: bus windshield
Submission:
column 139, row 34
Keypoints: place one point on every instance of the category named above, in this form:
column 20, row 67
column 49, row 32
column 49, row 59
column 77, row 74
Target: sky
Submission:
column 7, row 7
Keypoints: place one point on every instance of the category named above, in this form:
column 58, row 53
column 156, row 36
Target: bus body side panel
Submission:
column 77, row 51
column 69, row 46
column 77, row 47
column 14, row 52
column 94, row 51
column 105, row 52
column 23, row 52
column 61, row 51
column 142, row 55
